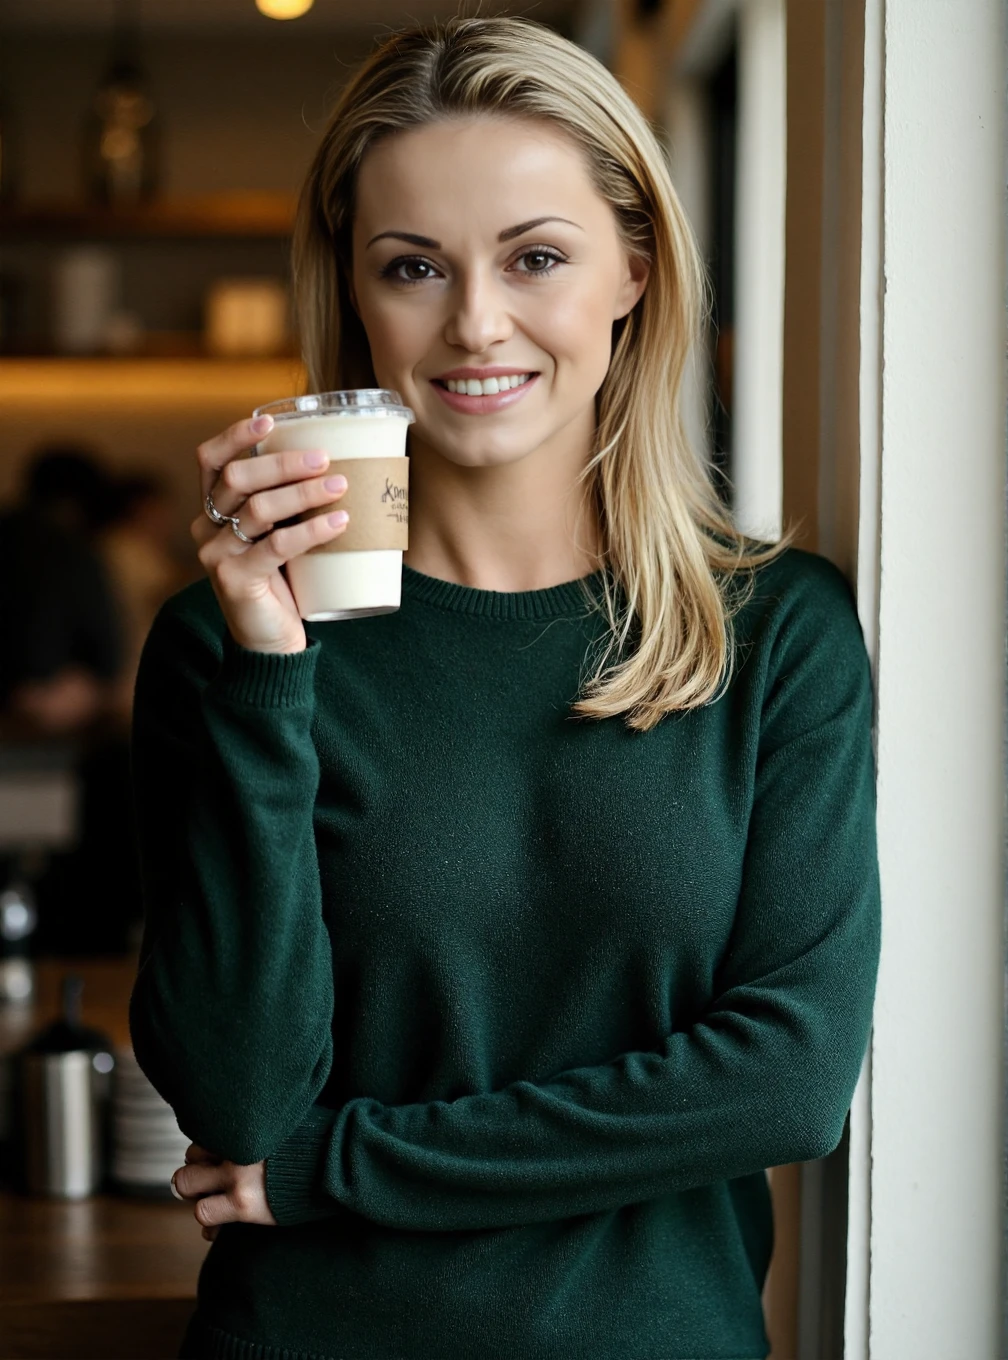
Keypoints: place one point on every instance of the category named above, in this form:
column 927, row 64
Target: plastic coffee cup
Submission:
column 363, row 430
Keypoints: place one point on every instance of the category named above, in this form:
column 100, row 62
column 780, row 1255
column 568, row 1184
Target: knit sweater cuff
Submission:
column 267, row 679
column 294, row 1171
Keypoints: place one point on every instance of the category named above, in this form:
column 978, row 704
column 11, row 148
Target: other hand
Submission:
column 254, row 596
column 225, row 1192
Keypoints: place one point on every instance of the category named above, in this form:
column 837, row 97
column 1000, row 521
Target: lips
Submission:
column 483, row 405
column 488, row 386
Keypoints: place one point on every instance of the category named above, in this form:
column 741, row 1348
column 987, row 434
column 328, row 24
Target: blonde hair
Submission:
column 670, row 548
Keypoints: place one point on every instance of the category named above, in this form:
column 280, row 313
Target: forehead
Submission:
column 489, row 169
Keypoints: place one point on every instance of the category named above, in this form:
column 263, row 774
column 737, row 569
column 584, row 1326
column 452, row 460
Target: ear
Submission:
column 632, row 288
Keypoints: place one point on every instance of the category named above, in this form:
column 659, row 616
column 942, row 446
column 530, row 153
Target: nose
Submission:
column 478, row 316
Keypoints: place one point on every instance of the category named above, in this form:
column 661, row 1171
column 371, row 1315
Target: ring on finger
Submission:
column 213, row 513
column 236, row 530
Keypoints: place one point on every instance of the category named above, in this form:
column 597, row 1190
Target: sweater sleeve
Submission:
column 764, row 1077
column 231, row 1010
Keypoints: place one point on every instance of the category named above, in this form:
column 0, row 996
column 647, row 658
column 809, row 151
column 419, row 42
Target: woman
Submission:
column 486, row 991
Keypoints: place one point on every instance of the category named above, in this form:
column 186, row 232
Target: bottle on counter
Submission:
column 63, row 1079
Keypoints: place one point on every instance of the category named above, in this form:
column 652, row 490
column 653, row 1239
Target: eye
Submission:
column 407, row 262
column 540, row 253
column 547, row 260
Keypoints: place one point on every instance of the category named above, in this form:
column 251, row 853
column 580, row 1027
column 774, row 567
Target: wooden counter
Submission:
column 103, row 1278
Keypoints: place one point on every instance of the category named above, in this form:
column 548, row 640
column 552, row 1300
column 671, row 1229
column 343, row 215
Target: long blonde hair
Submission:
column 674, row 560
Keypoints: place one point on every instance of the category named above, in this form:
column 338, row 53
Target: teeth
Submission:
column 473, row 387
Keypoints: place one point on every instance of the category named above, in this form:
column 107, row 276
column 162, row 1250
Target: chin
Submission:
column 478, row 450
column 483, row 455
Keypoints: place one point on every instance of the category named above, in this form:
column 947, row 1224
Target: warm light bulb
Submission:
column 284, row 9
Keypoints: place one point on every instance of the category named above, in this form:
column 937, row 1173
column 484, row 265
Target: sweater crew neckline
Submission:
column 567, row 598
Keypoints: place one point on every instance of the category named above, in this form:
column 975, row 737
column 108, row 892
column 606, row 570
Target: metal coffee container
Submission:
column 63, row 1080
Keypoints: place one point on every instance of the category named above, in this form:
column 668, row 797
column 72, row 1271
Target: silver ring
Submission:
column 214, row 514
column 238, row 533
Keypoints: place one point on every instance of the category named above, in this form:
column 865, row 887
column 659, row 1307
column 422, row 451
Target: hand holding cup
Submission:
column 262, row 492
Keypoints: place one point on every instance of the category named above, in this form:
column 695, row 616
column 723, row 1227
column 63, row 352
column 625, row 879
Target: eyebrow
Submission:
column 507, row 235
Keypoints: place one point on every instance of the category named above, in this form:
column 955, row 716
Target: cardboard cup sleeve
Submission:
column 377, row 501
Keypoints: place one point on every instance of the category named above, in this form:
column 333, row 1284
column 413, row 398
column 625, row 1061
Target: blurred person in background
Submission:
column 63, row 664
column 138, row 547
column 62, row 646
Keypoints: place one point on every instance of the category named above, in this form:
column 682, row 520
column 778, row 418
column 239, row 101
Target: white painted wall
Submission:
column 936, row 1057
column 856, row 1296
column 757, row 420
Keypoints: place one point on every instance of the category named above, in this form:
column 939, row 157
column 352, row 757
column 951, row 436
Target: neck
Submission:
column 518, row 525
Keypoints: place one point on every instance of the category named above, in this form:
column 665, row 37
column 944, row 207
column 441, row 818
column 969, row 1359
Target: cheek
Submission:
column 577, row 330
column 398, row 335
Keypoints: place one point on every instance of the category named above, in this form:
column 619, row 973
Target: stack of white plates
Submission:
column 147, row 1143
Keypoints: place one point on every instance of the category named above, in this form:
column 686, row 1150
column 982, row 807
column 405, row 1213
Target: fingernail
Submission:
column 340, row 517
column 338, row 483
column 261, row 424
column 174, row 1190
column 316, row 458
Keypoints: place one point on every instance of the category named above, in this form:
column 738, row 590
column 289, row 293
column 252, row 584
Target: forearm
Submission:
column 232, row 1007
column 744, row 1089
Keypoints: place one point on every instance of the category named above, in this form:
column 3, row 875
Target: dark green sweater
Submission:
column 517, row 1006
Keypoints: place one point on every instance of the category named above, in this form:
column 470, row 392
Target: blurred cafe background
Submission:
column 829, row 155
column 150, row 153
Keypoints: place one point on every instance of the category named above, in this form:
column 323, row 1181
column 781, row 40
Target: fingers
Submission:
column 195, row 1156
column 240, row 568
column 213, row 455
column 236, row 1206
column 196, row 1179
column 243, row 476
column 275, row 486
column 228, row 1193
column 214, row 1186
column 294, row 539
column 264, row 509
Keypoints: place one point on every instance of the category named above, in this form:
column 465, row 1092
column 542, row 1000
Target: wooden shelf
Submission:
column 34, row 383
column 247, row 215
column 153, row 345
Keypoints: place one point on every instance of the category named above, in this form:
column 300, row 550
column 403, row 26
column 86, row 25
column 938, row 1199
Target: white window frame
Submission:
column 908, row 497
column 928, row 1137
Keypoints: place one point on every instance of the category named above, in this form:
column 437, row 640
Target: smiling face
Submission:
column 514, row 265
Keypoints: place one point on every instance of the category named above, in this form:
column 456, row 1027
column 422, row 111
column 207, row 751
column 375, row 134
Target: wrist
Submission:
column 267, row 679
column 272, row 651
column 295, row 1171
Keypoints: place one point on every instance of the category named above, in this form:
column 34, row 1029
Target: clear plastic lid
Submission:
column 354, row 401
